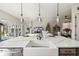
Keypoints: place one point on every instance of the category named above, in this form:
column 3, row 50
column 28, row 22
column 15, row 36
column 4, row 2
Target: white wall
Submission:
column 9, row 18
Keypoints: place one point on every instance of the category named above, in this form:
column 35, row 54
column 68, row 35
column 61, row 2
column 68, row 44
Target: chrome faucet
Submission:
column 39, row 37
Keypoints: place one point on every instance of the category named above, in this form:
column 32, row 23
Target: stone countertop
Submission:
column 58, row 41
column 22, row 42
column 14, row 42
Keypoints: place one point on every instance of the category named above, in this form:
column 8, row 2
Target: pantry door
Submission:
column 77, row 27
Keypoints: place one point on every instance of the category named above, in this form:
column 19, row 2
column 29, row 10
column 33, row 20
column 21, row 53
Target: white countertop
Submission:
column 64, row 42
column 68, row 43
column 58, row 41
column 14, row 42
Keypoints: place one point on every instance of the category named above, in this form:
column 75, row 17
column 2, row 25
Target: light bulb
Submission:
column 57, row 19
column 39, row 19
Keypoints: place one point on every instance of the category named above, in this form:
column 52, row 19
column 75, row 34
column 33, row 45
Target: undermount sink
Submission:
column 38, row 43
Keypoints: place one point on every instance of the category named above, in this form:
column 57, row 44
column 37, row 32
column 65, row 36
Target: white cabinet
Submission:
column 77, row 27
column 11, row 52
column 75, row 22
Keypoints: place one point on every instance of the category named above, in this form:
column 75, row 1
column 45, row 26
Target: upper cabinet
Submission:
column 75, row 22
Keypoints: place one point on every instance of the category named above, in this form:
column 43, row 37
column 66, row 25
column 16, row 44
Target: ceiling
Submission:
column 30, row 10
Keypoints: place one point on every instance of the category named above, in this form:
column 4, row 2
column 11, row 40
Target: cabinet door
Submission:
column 77, row 27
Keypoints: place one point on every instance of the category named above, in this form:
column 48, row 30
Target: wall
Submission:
column 11, row 19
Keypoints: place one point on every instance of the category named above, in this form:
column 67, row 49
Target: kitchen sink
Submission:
column 40, row 48
column 38, row 43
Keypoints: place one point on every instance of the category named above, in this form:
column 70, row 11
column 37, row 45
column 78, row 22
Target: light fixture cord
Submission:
column 21, row 10
column 57, row 9
column 39, row 9
column 39, row 14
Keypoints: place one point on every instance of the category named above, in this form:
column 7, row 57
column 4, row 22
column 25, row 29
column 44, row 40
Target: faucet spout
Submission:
column 39, row 37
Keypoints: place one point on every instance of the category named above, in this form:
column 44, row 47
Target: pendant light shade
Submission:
column 56, row 28
column 57, row 19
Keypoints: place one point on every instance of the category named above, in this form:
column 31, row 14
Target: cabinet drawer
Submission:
column 77, row 51
column 67, row 51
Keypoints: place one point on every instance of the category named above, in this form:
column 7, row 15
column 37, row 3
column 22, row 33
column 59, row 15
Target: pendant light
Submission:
column 39, row 15
column 22, row 20
column 56, row 28
column 22, row 13
column 57, row 19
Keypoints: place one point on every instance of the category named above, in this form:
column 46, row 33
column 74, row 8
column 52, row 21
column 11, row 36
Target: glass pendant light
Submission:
column 56, row 28
column 22, row 20
column 21, row 13
column 39, row 16
column 57, row 20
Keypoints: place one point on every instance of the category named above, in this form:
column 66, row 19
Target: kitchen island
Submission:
column 49, row 46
